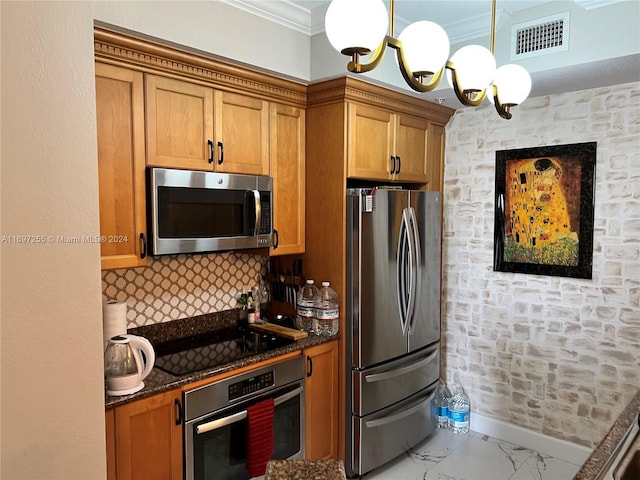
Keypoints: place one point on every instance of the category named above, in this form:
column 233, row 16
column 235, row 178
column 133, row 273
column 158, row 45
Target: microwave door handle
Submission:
column 258, row 208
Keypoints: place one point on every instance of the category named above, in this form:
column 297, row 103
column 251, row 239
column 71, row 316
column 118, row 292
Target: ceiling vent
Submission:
column 540, row 36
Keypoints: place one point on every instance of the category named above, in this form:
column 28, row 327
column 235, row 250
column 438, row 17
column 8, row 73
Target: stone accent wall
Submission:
column 504, row 331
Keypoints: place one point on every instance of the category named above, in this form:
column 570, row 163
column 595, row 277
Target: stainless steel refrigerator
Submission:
column 392, row 322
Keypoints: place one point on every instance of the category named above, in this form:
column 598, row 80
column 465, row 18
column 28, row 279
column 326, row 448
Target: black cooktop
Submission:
column 212, row 349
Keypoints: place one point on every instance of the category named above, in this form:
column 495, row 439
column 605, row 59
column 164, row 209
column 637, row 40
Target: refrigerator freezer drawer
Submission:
column 384, row 435
column 380, row 386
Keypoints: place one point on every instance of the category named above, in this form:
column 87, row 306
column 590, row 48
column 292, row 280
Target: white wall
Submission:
column 504, row 331
column 52, row 398
column 51, row 345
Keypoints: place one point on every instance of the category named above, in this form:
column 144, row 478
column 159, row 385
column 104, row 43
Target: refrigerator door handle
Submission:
column 409, row 216
column 400, row 415
column 416, row 270
column 378, row 377
column 401, row 272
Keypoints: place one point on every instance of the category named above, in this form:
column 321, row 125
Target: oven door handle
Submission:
column 236, row 417
column 287, row 396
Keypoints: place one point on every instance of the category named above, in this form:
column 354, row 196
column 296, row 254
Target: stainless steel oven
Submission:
column 215, row 433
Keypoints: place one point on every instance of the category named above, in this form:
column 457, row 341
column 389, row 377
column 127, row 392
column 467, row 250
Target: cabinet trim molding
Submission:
column 346, row 89
column 150, row 55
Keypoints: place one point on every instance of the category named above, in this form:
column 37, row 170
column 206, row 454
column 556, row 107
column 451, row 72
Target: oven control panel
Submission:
column 251, row 385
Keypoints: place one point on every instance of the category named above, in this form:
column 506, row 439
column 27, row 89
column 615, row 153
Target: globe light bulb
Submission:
column 513, row 83
column 356, row 25
column 426, row 47
column 475, row 68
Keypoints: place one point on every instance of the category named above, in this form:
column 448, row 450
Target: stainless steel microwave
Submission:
column 192, row 211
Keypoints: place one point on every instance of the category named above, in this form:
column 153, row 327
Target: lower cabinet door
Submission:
column 321, row 401
column 149, row 438
column 110, row 430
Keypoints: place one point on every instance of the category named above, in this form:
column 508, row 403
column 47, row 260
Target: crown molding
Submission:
column 282, row 12
column 593, row 4
column 348, row 88
column 144, row 54
column 310, row 20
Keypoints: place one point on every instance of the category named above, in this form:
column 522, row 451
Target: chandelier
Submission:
column 422, row 51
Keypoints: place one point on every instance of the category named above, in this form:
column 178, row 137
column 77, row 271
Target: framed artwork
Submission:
column 544, row 204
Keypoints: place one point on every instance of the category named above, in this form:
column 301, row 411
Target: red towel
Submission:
column 259, row 437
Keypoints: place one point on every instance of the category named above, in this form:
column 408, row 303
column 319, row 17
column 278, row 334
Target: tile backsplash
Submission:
column 179, row 286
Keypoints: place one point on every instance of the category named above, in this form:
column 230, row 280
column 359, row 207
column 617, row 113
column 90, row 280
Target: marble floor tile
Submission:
column 543, row 467
column 447, row 456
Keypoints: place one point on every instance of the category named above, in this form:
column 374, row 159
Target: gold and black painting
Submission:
column 544, row 210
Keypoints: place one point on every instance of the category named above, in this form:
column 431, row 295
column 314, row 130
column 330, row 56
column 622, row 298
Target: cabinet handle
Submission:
column 399, row 165
column 393, row 165
column 221, row 148
column 210, row 143
column 143, row 245
column 178, row 405
column 309, row 366
column 276, row 239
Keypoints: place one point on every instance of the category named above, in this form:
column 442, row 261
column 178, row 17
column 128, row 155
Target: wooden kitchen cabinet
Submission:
column 411, row 149
column 387, row 146
column 242, row 126
column 148, row 435
column 110, row 433
column 321, row 407
column 195, row 127
column 371, row 138
column 121, row 165
column 179, row 123
column 287, row 128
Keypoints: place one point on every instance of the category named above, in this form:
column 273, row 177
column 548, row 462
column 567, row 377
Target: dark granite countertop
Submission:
column 600, row 456
column 159, row 381
column 305, row 470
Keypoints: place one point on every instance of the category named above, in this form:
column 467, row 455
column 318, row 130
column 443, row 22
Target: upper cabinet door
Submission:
column 287, row 128
column 370, row 142
column 121, row 164
column 241, row 134
column 179, row 124
column 387, row 146
column 411, row 148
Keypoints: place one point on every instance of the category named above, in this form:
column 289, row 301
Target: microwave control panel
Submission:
column 251, row 385
column 265, row 214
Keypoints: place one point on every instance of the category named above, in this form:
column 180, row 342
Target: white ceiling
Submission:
column 466, row 21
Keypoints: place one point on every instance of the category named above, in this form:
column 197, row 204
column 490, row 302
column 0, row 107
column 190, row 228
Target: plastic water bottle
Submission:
column 459, row 409
column 327, row 315
column 440, row 406
column 308, row 295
